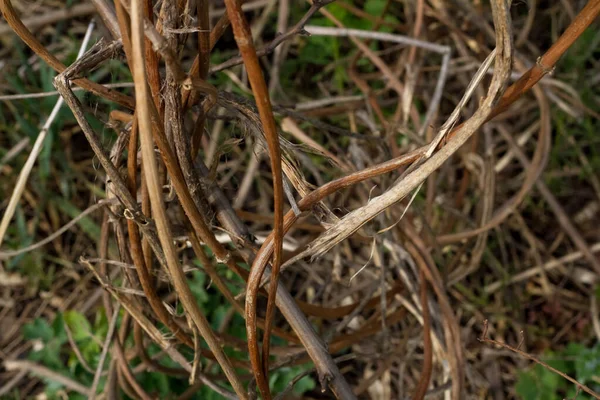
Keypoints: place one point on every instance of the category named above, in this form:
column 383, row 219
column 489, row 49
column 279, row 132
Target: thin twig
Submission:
column 51, row 17
column 13, row 253
column 107, row 13
column 14, row 381
column 298, row 29
column 243, row 37
column 40, row 370
column 485, row 339
column 109, row 336
column 24, row 33
column 25, row 96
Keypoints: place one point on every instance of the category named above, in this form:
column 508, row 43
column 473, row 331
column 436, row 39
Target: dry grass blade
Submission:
column 176, row 249
column 24, row 33
column 109, row 337
column 449, row 124
column 35, row 152
column 32, row 23
column 427, row 343
column 31, row 367
column 357, row 218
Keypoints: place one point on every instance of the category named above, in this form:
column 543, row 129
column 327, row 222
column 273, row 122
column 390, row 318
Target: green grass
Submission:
column 576, row 360
column 53, row 351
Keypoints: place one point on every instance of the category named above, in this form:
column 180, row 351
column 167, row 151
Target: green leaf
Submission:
column 50, row 356
column 87, row 224
column 375, row 7
column 587, row 363
column 198, row 286
column 58, row 326
column 527, row 387
column 549, row 380
column 38, row 329
column 279, row 380
column 339, row 12
column 78, row 324
column 304, row 385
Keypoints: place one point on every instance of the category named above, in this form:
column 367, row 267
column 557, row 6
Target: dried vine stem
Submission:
column 143, row 264
column 177, row 178
column 98, row 53
column 250, row 58
column 327, row 369
column 244, row 41
column 516, row 90
column 427, row 342
column 134, row 310
column 107, row 13
column 357, row 218
column 579, row 24
column 545, row 64
column 189, row 97
column 143, row 97
column 588, row 14
column 204, row 48
column 298, row 29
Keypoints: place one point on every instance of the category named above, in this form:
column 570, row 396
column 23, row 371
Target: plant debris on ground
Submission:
column 373, row 199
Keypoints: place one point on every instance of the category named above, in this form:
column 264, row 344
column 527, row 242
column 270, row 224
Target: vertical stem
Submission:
column 142, row 95
column 244, row 41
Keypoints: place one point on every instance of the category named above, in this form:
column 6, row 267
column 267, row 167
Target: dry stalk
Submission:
column 40, row 370
column 427, row 343
column 180, row 168
column 284, row 300
column 158, row 209
column 143, row 264
column 98, row 53
column 357, row 218
column 516, row 90
column 107, row 13
column 243, row 37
